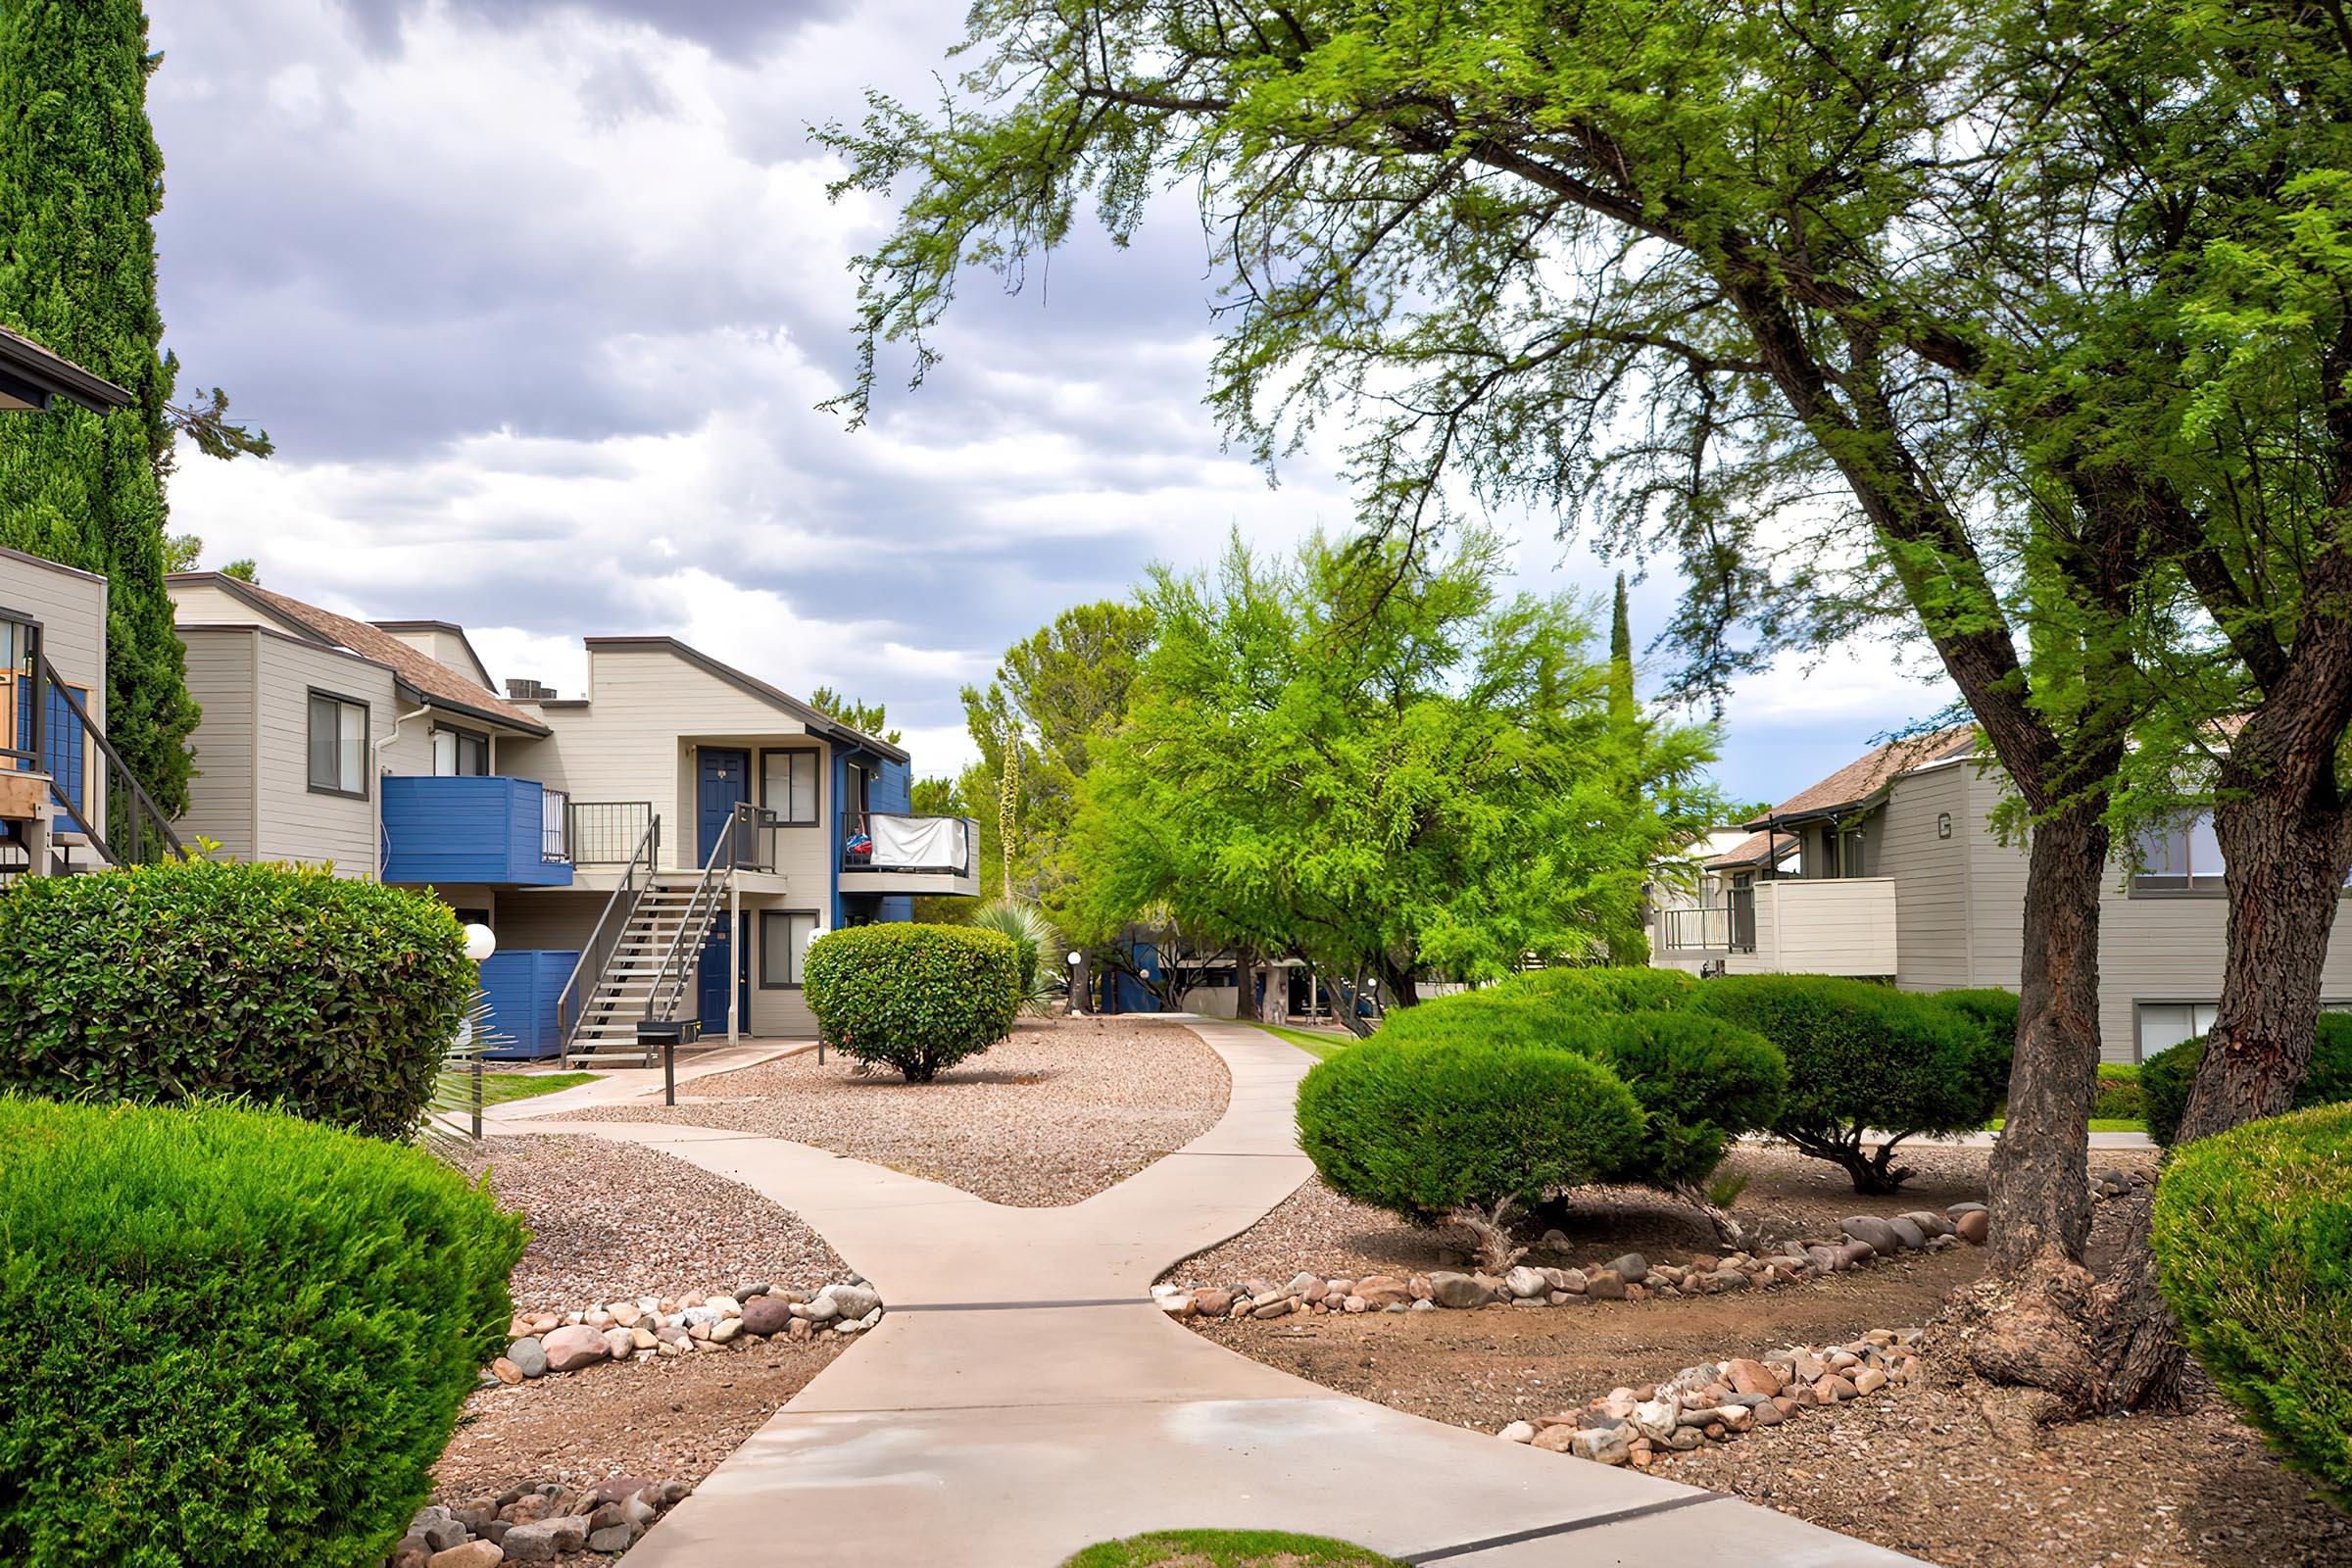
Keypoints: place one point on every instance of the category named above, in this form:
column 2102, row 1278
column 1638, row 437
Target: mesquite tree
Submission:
column 1678, row 266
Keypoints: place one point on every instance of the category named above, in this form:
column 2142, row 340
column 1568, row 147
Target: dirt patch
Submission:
column 1917, row 1471
column 1062, row 1111
column 611, row 1220
column 1498, row 1364
column 666, row 1420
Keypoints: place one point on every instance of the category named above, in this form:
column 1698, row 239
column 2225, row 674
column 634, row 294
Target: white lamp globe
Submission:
column 480, row 941
column 1077, row 958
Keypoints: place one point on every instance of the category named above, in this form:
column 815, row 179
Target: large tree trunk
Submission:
column 2034, row 1307
column 1244, row 979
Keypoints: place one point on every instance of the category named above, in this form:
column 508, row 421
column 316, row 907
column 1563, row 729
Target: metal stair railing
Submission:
column 596, row 954
column 744, row 827
column 126, row 796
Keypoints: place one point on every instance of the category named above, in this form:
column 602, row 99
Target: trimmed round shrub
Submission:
column 2166, row 1078
column 917, row 998
column 234, row 1336
column 2253, row 1241
column 1861, row 1058
column 1702, row 1083
column 275, row 984
column 1992, row 1012
column 1432, row 1131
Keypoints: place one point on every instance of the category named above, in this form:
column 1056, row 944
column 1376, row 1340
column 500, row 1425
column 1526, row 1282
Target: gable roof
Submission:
column 1863, row 778
column 395, row 627
column 1753, row 850
column 31, row 376
column 816, row 719
column 423, row 675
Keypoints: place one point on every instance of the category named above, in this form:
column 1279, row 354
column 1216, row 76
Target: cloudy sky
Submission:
column 538, row 300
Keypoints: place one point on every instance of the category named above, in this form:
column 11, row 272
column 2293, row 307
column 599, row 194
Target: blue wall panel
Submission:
column 467, row 830
column 522, row 988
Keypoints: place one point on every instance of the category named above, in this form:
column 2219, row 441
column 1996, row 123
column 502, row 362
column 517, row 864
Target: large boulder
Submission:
column 572, row 1346
column 766, row 1315
column 1872, row 1233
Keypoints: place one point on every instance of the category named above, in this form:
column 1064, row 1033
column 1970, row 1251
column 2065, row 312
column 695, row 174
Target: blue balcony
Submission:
column 506, row 831
column 523, row 988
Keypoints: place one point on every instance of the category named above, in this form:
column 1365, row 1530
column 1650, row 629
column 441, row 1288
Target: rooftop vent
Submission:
column 528, row 691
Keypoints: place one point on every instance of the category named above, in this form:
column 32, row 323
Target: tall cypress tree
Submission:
column 81, row 182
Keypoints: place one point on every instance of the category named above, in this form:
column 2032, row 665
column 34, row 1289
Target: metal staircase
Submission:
column 641, row 960
column 641, row 971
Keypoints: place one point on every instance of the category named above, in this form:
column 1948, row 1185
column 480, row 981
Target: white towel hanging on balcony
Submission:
column 916, row 842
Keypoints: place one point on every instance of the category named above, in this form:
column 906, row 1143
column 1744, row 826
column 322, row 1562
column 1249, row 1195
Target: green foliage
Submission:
column 1037, row 944
column 2253, row 1240
column 917, row 998
column 1993, row 1013
column 279, row 983
column 1430, row 1130
column 81, row 182
column 1228, row 1549
column 2166, row 1078
column 1700, row 1082
column 1382, row 765
column 235, row 1336
column 1861, row 1056
column 867, row 718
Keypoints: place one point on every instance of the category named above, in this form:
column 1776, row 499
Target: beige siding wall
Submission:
column 1831, row 926
column 293, row 823
column 411, row 750
column 776, row 1014
column 1930, row 874
column 446, row 647
column 222, row 671
column 630, row 741
column 554, row 919
column 204, row 604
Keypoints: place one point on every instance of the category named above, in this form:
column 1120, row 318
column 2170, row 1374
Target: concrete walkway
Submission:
column 1022, row 1398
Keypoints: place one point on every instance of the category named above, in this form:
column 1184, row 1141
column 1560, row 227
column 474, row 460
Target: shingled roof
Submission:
column 1751, row 851
column 1861, row 779
column 420, row 672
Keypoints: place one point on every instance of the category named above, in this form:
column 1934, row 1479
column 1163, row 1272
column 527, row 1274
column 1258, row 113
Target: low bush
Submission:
column 917, row 998
column 234, row 1336
column 1462, row 1130
column 277, row 984
column 1992, row 1012
column 1861, row 1058
column 2253, row 1241
column 2166, row 1078
column 1700, row 1081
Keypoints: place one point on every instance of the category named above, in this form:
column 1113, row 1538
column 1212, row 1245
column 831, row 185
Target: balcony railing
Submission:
column 888, row 841
column 1701, row 930
column 608, row 832
column 555, row 826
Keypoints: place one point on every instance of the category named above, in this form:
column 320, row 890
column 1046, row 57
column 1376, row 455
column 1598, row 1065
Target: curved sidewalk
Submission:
column 1022, row 1397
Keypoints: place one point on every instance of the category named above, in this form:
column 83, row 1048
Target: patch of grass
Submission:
column 500, row 1087
column 1229, row 1548
column 2098, row 1124
column 1321, row 1047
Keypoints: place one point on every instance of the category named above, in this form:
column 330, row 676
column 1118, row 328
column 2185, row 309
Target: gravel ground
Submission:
column 666, row 1420
column 610, row 1220
column 1921, row 1472
column 1788, row 1197
column 1059, row 1111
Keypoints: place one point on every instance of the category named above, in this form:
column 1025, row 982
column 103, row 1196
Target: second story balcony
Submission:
column 1811, row 925
column 499, row 831
column 886, row 851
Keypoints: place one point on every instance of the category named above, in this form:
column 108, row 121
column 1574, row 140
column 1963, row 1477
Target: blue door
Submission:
column 720, row 959
column 723, row 782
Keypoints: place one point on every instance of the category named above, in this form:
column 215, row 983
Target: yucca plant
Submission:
column 1034, row 934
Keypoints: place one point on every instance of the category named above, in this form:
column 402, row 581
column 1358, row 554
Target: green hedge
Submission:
column 2253, row 1240
column 1426, row 1130
column 1862, row 1056
column 233, row 1336
column 1700, row 1082
column 1992, row 1012
column 917, row 998
column 2166, row 1078
column 277, row 984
